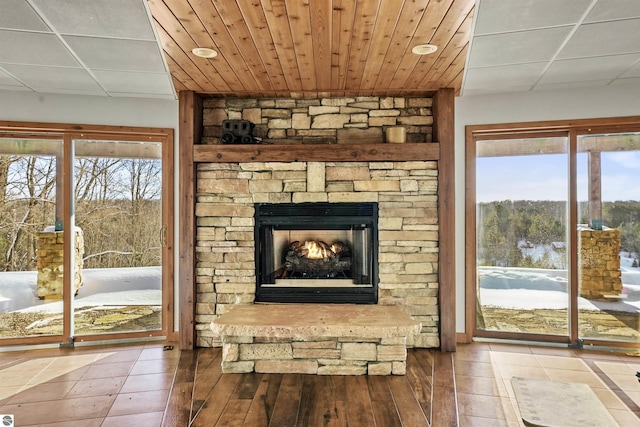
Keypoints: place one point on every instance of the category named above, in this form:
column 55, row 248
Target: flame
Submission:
column 315, row 250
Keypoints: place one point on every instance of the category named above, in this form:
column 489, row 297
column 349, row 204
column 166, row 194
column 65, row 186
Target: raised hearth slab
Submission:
column 333, row 339
column 316, row 320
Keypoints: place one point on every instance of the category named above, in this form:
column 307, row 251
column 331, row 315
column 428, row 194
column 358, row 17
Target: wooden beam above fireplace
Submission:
column 316, row 152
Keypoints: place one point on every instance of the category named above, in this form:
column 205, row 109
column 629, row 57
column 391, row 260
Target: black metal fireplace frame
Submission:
column 313, row 216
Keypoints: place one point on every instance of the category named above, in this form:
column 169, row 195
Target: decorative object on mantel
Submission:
column 396, row 134
column 237, row 131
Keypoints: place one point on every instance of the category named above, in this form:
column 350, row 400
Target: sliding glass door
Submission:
column 118, row 235
column 521, row 228
column 554, row 249
column 608, row 270
column 31, row 264
column 85, row 235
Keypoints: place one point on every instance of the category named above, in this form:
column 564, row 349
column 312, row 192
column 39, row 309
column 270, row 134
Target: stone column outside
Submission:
column 50, row 262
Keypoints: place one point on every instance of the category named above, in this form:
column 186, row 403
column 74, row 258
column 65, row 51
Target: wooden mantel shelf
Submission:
column 219, row 153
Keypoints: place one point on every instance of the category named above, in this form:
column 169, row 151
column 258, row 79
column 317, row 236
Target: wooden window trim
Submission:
column 570, row 129
column 68, row 131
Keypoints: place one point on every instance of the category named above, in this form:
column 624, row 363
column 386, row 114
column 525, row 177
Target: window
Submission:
column 554, row 212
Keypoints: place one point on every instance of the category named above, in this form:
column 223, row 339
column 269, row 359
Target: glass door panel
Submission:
column 521, row 236
column 608, row 167
column 119, row 236
column 31, row 240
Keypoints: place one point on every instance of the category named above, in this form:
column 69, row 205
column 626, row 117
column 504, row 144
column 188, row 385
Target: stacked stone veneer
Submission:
column 50, row 263
column 321, row 356
column 408, row 232
column 328, row 120
column 599, row 263
column 337, row 340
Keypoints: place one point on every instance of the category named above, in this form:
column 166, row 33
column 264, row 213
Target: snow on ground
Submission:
column 516, row 288
column 102, row 287
column 521, row 288
column 109, row 299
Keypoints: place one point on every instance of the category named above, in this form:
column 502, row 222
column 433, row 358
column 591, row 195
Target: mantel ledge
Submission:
column 237, row 153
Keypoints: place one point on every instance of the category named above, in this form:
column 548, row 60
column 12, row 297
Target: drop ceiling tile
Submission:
column 496, row 16
column 516, row 48
column 124, row 82
column 70, row 91
column 98, row 17
column 588, row 69
column 571, row 85
column 142, row 95
column 116, row 54
column 53, row 77
column 633, row 71
column 504, row 76
column 21, row 88
column 630, row 81
column 7, row 80
column 614, row 9
column 19, row 15
column 604, row 38
column 18, row 47
column 489, row 91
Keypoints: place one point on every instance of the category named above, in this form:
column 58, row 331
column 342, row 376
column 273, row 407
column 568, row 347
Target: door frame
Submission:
column 67, row 133
column 571, row 129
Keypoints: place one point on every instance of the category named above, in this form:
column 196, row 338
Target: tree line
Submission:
column 507, row 228
column 117, row 204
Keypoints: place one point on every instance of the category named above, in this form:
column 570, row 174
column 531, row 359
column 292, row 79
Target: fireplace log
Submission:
column 335, row 262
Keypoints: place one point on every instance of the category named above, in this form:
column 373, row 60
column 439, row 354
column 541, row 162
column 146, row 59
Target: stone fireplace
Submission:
column 407, row 230
column 228, row 194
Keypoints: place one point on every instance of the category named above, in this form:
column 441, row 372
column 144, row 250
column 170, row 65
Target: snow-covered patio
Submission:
column 101, row 286
column 520, row 288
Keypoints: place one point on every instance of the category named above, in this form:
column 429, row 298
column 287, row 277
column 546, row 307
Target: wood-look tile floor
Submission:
column 144, row 385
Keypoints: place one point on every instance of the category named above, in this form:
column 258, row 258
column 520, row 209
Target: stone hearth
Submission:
column 335, row 339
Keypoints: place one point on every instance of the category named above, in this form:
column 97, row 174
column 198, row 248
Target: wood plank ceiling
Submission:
column 314, row 48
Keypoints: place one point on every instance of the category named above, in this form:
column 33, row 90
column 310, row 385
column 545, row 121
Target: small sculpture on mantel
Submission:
column 237, row 132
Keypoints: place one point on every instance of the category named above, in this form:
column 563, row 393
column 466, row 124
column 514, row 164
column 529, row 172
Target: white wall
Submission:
column 580, row 103
column 22, row 106
column 84, row 109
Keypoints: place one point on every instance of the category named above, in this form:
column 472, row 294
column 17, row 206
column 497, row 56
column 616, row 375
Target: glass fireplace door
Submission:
column 316, row 252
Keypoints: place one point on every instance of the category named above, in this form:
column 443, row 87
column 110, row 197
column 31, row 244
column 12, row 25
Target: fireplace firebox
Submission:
column 317, row 252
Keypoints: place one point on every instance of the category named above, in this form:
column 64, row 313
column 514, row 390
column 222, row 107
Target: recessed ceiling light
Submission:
column 204, row 52
column 424, row 49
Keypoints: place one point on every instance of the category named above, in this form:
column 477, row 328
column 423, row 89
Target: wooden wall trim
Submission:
column 33, row 129
column 443, row 113
column 190, row 127
column 464, row 338
column 315, row 152
column 470, row 297
column 168, row 246
column 613, row 124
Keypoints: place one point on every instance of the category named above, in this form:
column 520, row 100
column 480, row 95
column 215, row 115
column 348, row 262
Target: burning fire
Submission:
column 317, row 251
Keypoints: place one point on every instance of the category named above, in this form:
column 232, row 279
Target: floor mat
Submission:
column 547, row 403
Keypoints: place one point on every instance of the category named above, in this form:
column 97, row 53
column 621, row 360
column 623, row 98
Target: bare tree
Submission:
column 29, row 202
column 117, row 204
column 120, row 214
